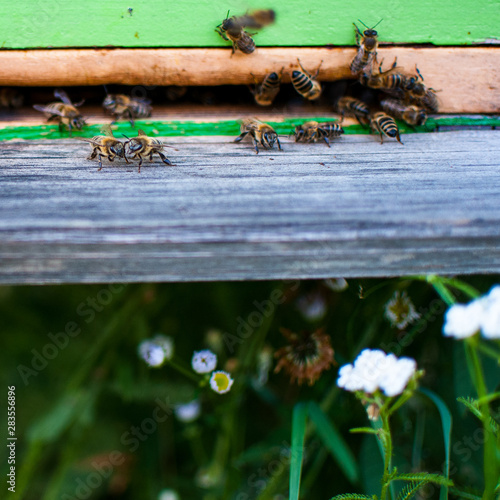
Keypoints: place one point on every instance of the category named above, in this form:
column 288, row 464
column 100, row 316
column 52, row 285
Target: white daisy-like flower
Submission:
column 375, row 370
column 490, row 320
column 336, row 284
column 168, row 495
column 400, row 310
column 166, row 343
column 221, row 382
column 188, row 412
column 204, row 361
column 151, row 353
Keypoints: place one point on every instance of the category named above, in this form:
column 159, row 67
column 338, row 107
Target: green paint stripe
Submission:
column 191, row 23
column 227, row 127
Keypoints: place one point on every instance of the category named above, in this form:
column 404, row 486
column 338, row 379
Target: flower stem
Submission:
column 387, row 444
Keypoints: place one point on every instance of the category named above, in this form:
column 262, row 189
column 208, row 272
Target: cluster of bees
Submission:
column 405, row 98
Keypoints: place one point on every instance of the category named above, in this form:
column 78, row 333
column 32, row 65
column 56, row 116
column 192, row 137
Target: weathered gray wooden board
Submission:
column 224, row 213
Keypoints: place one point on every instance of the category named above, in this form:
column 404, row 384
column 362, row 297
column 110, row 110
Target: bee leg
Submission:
column 100, row 162
column 256, row 144
column 278, row 141
column 241, row 137
column 325, row 138
column 140, row 163
column 317, row 71
column 93, row 154
column 398, row 138
column 164, row 159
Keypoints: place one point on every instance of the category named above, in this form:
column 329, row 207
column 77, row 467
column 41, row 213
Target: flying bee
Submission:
column 232, row 28
column 411, row 114
column 64, row 112
column 260, row 133
column 384, row 124
column 353, row 107
column 123, row 106
column 419, row 94
column 142, row 145
column 313, row 132
column 367, row 48
column 306, row 84
column 105, row 145
column 265, row 92
column 10, row 98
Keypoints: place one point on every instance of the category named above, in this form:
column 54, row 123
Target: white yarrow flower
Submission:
column 204, row 361
column 188, row 412
column 221, row 382
column 166, row 343
column 375, row 370
column 168, row 495
column 151, row 353
column 400, row 310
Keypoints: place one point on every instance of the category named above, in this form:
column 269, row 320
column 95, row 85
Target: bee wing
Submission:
column 90, row 141
column 258, row 18
column 142, row 100
column 60, row 94
column 106, row 130
column 41, row 108
column 48, row 109
column 141, row 132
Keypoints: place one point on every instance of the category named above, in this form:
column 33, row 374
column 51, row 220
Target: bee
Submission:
column 121, row 106
column 64, row 112
column 353, row 107
column 105, row 145
column 232, row 28
column 142, row 145
column 418, row 93
column 260, row 132
column 265, row 92
column 367, row 48
column 384, row 124
column 10, row 98
column 313, row 132
column 305, row 83
column 411, row 114
column 389, row 81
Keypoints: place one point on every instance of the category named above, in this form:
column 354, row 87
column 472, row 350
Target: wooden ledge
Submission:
column 468, row 78
column 359, row 209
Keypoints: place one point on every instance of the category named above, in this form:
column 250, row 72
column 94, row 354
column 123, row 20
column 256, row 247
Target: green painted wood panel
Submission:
column 191, row 23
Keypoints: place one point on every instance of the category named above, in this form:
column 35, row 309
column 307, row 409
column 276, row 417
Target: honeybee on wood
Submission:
column 143, row 146
column 411, row 114
column 64, row 112
column 367, row 48
column 105, row 145
column 123, row 106
column 419, row 94
column 385, row 125
column 313, row 132
column 306, row 84
column 260, row 133
column 349, row 106
column 232, row 28
column 389, row 81
column 10, row 98
column 265, row 92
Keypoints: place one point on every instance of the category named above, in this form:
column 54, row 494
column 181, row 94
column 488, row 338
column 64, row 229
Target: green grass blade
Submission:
column 446, row 423
column 298, row 434
column 332, row 439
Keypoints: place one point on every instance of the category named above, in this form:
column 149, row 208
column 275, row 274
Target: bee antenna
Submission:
column 128, row 138
column 363, row 24
column 227, row 15
column 106, row 89
column 377, row 23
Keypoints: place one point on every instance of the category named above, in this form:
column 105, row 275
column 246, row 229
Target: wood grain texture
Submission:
column 191, row 23
column 468, row 79
column 224, row 213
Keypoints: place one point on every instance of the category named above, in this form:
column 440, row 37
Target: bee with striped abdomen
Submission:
column 367, row 48
column 349, row 106
column 411, row 114
column 105, row 146
column 385, row 125
column 64, row 112
column 418, row 93
column 265, row 92
column 232, row 28
column 144, row 146
column 306, row 84
column 123, row 106
column 313, row 132
column 390, row 81
column 261, row 133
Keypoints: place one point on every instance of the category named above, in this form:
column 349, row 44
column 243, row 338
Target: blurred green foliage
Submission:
column 76, row 412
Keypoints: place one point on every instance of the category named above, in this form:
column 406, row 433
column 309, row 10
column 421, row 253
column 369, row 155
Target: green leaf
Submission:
column 333, row 441
column 353, row 496
column 465, row 494
column 411, row 489
column 298, row 434
column 424, row 476
column 366, row 430
column 472, row 405
column 446, row 423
